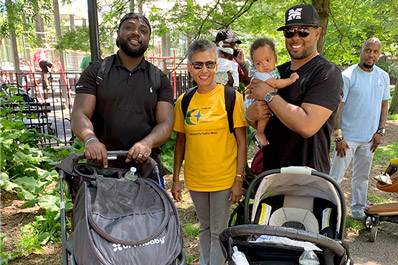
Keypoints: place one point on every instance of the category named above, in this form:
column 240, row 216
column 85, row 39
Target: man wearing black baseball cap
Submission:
column 226, row 36
column 124, row 102
column 299, row 132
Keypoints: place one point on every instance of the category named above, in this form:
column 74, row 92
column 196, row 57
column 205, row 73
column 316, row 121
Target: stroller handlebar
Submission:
column 292, row 233
column 112, row 155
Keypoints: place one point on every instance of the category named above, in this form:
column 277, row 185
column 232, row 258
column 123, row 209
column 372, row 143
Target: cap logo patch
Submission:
column 294, row 14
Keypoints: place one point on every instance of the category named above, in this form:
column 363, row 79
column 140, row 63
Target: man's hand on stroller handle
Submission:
column 96, row 151
column 139, row 152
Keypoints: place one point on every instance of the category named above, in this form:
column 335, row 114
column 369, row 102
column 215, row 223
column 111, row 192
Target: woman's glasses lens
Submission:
column 302, row 32
column 199, row 65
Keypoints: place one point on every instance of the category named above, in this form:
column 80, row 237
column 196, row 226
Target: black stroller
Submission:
column 294, row 208
column 115, row 220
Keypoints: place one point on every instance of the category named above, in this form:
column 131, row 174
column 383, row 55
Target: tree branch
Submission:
column 349, row 28
column 240, row 12
column 198, row 33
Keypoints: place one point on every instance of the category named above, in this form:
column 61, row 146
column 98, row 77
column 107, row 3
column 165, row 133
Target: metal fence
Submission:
column 51, row 104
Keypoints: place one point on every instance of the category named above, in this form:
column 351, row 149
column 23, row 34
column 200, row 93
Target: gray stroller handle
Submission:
column 111, row 154
column 292, row 233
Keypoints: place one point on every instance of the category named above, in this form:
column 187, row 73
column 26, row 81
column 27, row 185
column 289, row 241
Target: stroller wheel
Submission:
column 368, row 222
column 373, row 234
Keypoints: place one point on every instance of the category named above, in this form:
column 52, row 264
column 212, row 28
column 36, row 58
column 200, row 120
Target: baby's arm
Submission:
column 281, row 83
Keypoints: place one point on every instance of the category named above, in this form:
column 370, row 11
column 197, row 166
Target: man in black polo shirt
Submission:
column 132, row 108
column 304, row 112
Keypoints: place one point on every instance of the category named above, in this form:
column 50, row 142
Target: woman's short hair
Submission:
column 201, row 46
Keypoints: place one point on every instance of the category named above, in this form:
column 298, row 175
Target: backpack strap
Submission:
column 186, row 99
column 230, row 97
column 106, row 65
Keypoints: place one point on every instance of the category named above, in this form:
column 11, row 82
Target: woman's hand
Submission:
column 236, row 191
column 176, row 191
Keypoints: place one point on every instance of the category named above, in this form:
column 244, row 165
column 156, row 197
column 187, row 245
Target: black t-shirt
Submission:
column 320, row 83
column 125, row 101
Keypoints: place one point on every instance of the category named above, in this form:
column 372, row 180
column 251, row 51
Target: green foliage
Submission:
column 78, row 39
column 190, row 230
column 390, row 67
column 386, row 153
column 353, row 22
column 353, row 225
column 349, row 24
column 197, row 20
column 168, row 153
column 374, row 198
column 191, row 258
column 19, row 17
column 5, row 257
column 393, row 117
column 75, row 39
column 44, row 229
column 28, row 170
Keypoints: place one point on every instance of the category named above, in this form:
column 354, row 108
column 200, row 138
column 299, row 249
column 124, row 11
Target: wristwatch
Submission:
column 381, row 131
column 268, row 98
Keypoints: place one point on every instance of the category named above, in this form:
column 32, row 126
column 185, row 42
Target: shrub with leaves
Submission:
column 29, row 170
column 168, row 153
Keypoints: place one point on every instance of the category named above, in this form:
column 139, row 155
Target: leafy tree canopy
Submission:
column 18, row 16
column 350, row 23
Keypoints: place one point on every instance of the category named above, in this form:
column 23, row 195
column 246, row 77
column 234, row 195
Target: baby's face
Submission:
column 264, row 59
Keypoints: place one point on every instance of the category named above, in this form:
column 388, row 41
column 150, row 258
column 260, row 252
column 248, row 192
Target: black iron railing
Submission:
column 51, row 104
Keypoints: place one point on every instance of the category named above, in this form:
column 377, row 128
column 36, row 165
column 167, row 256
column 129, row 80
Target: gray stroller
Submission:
column 115, row 220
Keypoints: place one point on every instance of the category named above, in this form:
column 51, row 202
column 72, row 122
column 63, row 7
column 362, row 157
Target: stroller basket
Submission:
column 118, row 221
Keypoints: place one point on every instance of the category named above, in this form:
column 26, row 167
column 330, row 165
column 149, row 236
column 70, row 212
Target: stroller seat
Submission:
column 300, row 219
column 296, row 213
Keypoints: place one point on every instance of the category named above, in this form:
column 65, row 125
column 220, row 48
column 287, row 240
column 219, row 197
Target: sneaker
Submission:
column 357, row 216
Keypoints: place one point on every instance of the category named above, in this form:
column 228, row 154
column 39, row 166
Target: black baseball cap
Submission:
column 227, row 35
column 301, row 15
column 136, row 16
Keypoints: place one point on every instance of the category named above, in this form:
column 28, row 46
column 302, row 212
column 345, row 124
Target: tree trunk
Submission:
column 14, row 46
column 39, row 29
column 394, row 101
column 57, row 21
column 132, row 5
column 322, row 6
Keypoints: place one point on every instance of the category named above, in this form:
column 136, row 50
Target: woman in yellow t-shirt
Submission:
column 214, row 158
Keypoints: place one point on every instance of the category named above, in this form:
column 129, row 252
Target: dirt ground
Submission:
column 383, row 251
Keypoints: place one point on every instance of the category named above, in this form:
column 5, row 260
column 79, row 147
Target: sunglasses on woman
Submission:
column 199, row 65
column 302, row 32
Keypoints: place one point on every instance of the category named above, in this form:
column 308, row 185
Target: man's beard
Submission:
column 124, row 46
column 367, row 66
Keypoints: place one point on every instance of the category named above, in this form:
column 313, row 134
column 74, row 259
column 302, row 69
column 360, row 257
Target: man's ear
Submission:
column 318, row 33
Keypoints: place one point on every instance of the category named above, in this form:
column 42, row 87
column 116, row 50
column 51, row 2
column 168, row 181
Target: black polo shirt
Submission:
column 125, row 101
column 320, row 83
